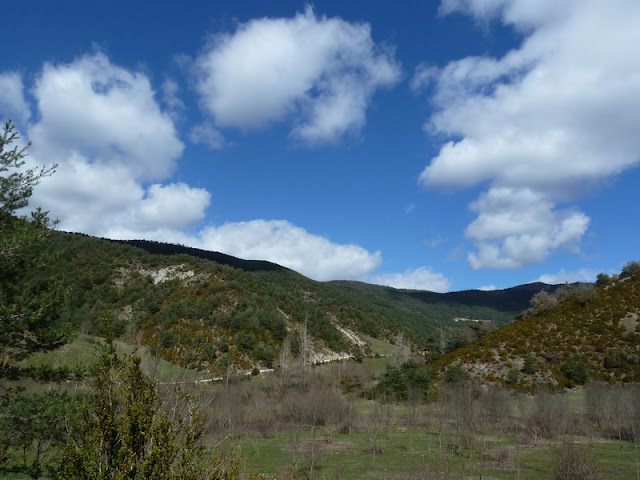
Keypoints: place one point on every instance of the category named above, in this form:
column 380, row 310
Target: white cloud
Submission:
column 423, row 76
column 106, row 113
column 170, row 90
column 283, row 243
column 104, row 128
column 175, row 206
column 550, row 118
column 488, row 288
column 582, row 275
column 321, row 72
column 207, row 134
column 421, row 278
column 520, row 227
column 12, row 103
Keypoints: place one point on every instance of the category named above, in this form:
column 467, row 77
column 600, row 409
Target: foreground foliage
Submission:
column 33, row 430
column 127, row 432
column 28, row 304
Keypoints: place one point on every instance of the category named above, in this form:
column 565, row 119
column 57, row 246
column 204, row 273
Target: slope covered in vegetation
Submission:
column 592, row 333
column 208, row 310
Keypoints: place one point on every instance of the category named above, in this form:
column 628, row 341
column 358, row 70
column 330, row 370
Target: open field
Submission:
column 324, row 423
column 412, row 453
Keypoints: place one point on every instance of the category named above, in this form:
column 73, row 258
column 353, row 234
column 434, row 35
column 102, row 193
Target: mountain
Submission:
column 591, row 333
column 208, row 310
column 443, row 309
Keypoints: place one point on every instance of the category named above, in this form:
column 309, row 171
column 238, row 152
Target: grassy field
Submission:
column 84, row 351
column 417, row 453
column 465, row 434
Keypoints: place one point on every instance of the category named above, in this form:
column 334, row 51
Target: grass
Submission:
column 411, row 452
column 407, row 451
column 84, row 351
column 380, row 347
column 81, row 351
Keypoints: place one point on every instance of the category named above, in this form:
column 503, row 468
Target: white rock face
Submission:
column 164, row 274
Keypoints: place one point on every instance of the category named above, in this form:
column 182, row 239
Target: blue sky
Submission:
column 431, row 145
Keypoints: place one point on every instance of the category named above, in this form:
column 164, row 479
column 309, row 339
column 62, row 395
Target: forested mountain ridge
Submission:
column 591, row 334
column 210, row 311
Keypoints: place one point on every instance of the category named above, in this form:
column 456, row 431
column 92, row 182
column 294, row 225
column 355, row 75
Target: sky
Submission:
column 428, row 145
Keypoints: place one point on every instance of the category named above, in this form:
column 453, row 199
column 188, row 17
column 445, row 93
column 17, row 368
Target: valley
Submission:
column 344, row 380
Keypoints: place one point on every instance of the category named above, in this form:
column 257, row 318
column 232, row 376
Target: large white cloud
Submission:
column 421, row 278
column 551, row 118
column 519, row 227
column 286, row 244
column 321, row 72
column 106, row 113
column 104, row 128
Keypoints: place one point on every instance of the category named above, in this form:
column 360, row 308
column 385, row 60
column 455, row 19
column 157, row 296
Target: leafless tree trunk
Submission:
column 376, row 426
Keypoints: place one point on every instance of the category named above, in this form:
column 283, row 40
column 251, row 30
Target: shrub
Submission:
column 530, row 366
column 513, row 376
column 629, row 269
column 616, row 359
column 573, row 463
column 602, row 279
column 167, row 339
column 576, row 369
column 456, row 373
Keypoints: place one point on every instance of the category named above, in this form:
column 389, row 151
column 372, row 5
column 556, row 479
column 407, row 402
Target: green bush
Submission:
column 513, row 376
column 530, row 365
column 576, row 369
column 456, row 373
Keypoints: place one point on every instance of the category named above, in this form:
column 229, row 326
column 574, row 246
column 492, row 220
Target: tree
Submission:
column 28, row 303
column 126, row 432
column 603, row 279
column 541, row 302
column 629, row 269
column 530, row 365
column 456, row 374
column 33, row 431
column 576, row 369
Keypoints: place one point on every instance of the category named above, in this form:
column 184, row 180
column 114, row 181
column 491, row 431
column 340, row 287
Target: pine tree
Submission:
column 28, row 303
column 126, row 432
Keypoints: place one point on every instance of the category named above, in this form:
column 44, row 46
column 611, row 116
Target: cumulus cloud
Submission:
column 291, row 246
column 319, row 72
column 421, row 278
column 555, row 115
column 104, row 128
column 116, row 148
column 107, row 114
column 175, row 206
column 519, row 227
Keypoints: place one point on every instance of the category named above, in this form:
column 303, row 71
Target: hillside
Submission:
column 210, row 311
column 594, row 334
column 497, row 306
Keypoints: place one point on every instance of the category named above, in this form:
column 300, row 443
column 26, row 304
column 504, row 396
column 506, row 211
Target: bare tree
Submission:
column 376, row 426
column 550, row 415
